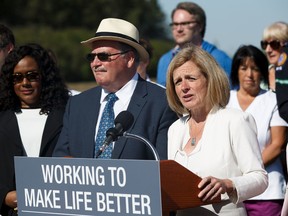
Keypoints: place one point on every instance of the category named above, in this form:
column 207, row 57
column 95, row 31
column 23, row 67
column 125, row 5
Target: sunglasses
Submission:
column 31, row 76
column 103, row 56
column 274, row 44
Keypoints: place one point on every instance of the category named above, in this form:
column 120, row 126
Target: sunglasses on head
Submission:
column 103, row 56
column 274, row 44
column 31, row 76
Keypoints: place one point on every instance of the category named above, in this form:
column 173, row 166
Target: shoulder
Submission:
column 166, row 57
column 167, row 54
column 86, row 94
column 232, row 115
column 233, row 100
column 268, row 97
column 214, row 51
column 152, row 86
column 233, row 120
column 179, row 124
column 148, row 88
column 269, row 93
column 233, row 93
column 74, row 92
column 155, row 94
column 84, row 99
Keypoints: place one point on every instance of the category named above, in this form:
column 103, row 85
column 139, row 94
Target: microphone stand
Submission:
column 134, row 136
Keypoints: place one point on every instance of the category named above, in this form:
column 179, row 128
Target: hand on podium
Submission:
column 212, row 187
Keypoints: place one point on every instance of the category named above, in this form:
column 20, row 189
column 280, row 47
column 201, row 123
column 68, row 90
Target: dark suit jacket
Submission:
column 152, row 118
column 11, row 145
column 282, row 85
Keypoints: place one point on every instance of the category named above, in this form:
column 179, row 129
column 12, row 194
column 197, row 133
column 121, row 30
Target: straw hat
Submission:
column 118, row 30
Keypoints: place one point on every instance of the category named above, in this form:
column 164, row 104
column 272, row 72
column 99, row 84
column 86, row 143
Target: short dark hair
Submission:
column 147, row 45
column 249, row 51
column 6, row 36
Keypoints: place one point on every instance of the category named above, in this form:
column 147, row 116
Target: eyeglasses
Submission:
column 274, row 44
column 31, row 76
column 103, row 56
column 175, row 25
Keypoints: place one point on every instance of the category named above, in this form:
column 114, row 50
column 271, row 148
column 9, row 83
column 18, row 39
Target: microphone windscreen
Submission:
column 125, row 118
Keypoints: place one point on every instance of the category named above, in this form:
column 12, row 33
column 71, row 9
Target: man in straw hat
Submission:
column 115, row 55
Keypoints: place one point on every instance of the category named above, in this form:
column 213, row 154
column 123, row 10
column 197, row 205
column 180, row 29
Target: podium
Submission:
column 179, row 188
column 102, row 187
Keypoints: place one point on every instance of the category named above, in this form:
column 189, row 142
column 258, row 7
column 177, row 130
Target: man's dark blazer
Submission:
column 152, row 118
column 11, row 145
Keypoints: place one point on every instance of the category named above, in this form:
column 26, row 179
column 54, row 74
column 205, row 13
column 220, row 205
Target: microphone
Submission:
column 123, row 122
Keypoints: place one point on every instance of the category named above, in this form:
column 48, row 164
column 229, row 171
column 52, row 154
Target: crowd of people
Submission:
column 224, row 119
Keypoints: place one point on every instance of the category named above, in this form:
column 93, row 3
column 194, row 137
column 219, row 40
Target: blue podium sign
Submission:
column 87, row 187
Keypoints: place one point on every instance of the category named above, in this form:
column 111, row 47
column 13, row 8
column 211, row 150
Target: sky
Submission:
column 232, row 23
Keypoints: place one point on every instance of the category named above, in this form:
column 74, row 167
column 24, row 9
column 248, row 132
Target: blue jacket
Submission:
column 221, row 57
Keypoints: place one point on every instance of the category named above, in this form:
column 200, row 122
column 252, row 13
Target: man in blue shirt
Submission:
column 188, row 26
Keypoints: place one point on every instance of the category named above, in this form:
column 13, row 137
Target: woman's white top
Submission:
column 31, row 126
column 265, row 112
column 228, row 149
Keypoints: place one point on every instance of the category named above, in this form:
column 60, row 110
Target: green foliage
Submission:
column 145, row 14
column 60, row 25
column 65, row 44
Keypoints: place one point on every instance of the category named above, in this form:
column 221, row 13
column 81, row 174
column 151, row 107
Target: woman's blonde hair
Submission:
column 218, row 88
column 276, row 31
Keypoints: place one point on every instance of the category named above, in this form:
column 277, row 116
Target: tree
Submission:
column 146, row 15
column 60, row 25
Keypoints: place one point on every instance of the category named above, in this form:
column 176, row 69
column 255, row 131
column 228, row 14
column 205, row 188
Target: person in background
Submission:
column 274, row 38
column 282, row 83
column 7, row 43
column 32, row 103
column 214, row 142
column 249, row 69
column 115, row 55
column 143, row 64
column 282, row 100
column 189, row 26
column 284, row 211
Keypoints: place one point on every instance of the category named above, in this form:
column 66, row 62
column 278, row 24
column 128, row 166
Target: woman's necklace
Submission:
column 194, row 138
column 193, row 141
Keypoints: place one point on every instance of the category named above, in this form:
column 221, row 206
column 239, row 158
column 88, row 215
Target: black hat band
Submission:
column 99, row 34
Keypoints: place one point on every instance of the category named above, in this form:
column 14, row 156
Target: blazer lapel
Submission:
column 135, row 106
column 52, row 128
column 90, row 121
